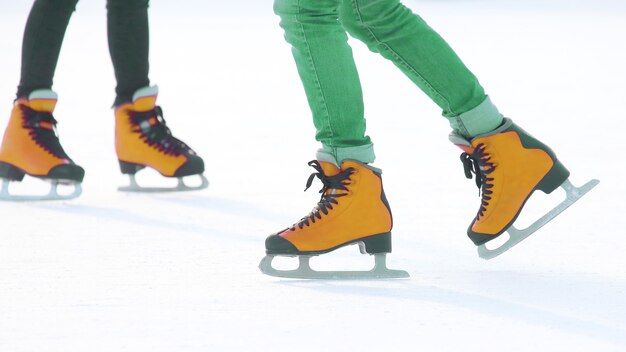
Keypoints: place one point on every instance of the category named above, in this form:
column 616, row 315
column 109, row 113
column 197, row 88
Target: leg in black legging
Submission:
column 128, row 33
column 42, row 42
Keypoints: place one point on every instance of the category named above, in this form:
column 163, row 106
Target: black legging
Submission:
column 128, row 34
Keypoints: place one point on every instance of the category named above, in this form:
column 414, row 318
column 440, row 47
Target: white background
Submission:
column 178, row 272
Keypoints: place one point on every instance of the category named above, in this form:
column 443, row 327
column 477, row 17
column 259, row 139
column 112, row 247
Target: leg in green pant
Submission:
column 326, row 66
column 316, row 29
column 508, row 163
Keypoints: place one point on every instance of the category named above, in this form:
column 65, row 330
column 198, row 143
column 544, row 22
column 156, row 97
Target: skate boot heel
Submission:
column 10, row 172
column 129, row 168
column 554, row 178
column 380, row 243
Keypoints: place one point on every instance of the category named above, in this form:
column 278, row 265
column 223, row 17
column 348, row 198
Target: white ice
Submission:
column 178, row 272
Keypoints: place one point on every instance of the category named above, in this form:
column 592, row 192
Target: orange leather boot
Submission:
column 31, row 144
column 143, row 139
column 509, row 165
column 352, row 209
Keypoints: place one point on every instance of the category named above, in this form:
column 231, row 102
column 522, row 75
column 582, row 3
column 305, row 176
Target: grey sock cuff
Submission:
column 46, row 94
column 336, row 155
column 145, row 92
column 480, row 120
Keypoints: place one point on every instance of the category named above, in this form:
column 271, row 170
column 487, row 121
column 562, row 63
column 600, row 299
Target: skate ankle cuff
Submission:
column 148, row 91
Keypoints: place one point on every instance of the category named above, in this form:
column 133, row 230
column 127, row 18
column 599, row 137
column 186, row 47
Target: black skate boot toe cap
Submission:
column 11, row 172
column 275, row 244
column 69, row 172
column 193, row 166
column 481, row 238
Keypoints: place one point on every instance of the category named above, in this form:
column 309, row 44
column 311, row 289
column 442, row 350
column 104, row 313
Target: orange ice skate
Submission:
column 31, row 146
column 509, row 165
column 352, row 210
column 143, row 139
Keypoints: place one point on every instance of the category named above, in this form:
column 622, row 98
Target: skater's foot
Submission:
column 31, row 144
column 142, row 139
column 352, row 209
column 509, row 165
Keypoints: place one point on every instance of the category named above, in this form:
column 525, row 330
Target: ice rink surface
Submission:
column 178, row 272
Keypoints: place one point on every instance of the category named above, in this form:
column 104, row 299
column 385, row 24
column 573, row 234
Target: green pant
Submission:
column 316, row 29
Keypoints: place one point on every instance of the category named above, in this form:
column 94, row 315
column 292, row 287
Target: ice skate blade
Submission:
column 304, row 270
column 573, row 194
column 52, row 195
column 181, row 187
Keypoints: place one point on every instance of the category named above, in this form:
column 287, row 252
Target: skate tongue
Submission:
column 145, row 104
column 145, row 98
column 329, row 169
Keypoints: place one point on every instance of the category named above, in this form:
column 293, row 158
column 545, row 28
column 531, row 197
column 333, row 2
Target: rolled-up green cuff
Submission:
column 480, row 120
column 335, row 155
